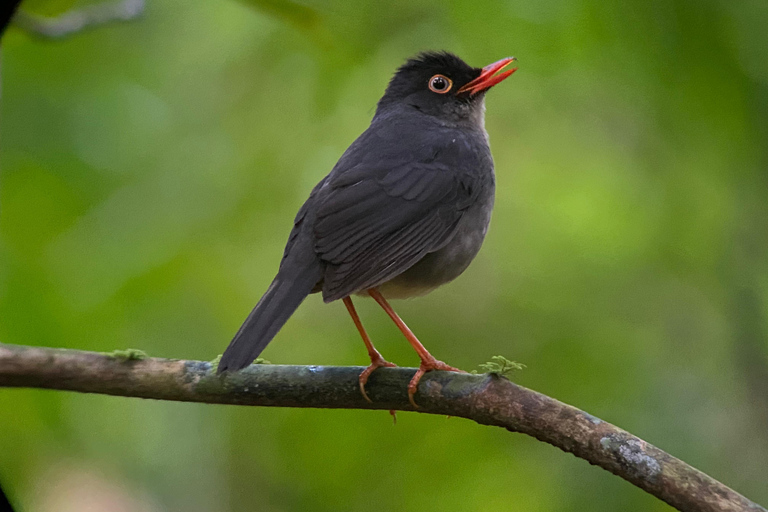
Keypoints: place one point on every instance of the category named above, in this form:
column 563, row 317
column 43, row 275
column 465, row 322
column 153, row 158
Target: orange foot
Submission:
column 376, row 362
column 427, row 365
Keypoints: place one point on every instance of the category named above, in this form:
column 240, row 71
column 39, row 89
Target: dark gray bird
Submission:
column 405, row 209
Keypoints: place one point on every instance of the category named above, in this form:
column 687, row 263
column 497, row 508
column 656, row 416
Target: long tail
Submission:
column 295, row 280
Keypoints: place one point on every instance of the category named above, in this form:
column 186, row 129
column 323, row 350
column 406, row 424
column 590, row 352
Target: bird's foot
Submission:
column 376, row 362
column 427, row 365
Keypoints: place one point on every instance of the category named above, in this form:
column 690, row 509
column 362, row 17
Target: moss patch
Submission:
column 129, row 354
column 500, row 365
column 215, row 362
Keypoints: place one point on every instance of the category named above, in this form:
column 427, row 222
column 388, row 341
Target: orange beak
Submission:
column 488, row 78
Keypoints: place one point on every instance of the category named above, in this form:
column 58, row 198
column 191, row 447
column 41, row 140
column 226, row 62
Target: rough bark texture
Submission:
column 486, row 399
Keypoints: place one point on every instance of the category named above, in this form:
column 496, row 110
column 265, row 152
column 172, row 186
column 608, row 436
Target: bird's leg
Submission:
column 376, row 360
column 428, row 361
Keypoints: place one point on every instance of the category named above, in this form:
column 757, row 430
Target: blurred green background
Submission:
column 151, row 171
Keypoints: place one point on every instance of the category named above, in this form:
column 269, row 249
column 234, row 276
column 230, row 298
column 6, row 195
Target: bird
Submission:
column 404, row 210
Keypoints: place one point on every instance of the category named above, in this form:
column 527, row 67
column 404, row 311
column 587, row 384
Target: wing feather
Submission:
column 383, row 208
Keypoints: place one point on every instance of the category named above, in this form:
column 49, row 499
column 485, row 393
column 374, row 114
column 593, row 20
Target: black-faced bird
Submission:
column 403, row 211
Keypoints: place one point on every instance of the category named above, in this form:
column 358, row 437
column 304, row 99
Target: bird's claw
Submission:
column 427, row 366
column 376, row 362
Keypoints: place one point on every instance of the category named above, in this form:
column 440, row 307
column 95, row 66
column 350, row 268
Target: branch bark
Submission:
column 77, row 20
column 486, row 399
column 6, row 14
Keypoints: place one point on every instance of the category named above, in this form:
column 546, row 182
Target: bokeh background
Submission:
column 151, row 171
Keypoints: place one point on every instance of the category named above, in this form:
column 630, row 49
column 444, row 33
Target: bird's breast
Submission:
column 451, row 260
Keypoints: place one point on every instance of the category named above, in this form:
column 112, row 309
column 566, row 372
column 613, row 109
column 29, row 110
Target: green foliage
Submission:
column 51, row 7
column 295, row 13
column 151, row 171
column 500, row 365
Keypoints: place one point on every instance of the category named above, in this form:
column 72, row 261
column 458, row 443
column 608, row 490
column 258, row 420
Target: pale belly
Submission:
column 445, row 264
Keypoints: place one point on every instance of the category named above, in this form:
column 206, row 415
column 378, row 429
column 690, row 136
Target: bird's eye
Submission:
column 440, row 84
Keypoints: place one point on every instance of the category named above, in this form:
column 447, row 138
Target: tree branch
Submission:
column 6, row 14
column 78, row 20
column 486, row 399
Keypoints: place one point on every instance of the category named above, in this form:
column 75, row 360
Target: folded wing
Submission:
column 375, row 221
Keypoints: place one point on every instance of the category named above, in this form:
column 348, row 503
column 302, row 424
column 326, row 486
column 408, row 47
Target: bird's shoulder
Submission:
column 418, row 139
column 396, row 194
column 409, row 158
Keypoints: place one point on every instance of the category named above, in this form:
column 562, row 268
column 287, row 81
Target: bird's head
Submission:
column 440, row 84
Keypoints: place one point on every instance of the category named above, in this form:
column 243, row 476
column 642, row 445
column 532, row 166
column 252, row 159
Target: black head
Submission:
column 442, row 85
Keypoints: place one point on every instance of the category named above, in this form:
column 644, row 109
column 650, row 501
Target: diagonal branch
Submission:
column 6, row 14
column 77, row 20
column 486, row 399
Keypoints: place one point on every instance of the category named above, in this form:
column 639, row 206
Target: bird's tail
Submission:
column 295, row 280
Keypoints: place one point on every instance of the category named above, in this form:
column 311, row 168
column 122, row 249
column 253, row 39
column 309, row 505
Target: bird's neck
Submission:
column 471, row 118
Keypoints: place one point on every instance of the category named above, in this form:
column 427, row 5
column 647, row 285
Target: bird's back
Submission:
column 407, row 171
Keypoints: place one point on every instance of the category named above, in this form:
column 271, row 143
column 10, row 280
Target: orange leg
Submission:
column 376, row 360
column 428, row 362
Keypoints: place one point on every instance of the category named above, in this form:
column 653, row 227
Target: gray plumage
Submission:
column 405, row 209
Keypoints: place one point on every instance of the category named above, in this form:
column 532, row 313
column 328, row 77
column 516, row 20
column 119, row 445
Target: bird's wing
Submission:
column 380, row 215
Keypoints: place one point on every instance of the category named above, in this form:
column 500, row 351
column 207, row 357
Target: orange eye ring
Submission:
column 440, row 84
